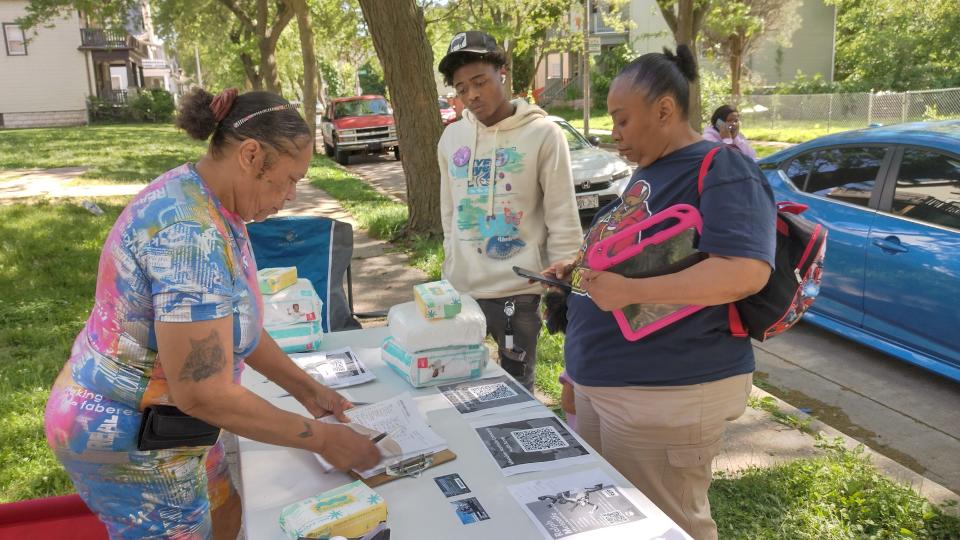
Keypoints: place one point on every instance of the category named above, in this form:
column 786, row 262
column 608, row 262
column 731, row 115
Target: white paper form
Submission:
column 590, row 505
column 408, row 432
column 337, row 369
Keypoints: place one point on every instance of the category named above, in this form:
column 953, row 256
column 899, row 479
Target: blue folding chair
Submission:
column 321, row 249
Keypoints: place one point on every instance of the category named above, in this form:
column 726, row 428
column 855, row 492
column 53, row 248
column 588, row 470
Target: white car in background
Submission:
column 598, row 176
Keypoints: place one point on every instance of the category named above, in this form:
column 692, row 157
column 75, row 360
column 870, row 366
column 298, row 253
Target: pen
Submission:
column 384, row 435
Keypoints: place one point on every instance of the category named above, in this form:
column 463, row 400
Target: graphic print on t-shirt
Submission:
column 633, row 208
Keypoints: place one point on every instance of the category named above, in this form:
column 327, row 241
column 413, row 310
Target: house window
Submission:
column 554, row 66
column 14, row 38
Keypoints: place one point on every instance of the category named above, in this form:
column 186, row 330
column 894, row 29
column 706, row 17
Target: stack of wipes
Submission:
column 292, row 317
column 350, row 510
column 426, row 352
column 437, row 300
column 273, row 280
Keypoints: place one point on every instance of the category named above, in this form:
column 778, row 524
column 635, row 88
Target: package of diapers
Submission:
column 437, row 300
column 412, row 332
column 350, row 510
column 296, row 304
column 294, row 338
column 435, row 366
column 273, row 280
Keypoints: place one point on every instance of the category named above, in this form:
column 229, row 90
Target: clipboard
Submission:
column 412, row 467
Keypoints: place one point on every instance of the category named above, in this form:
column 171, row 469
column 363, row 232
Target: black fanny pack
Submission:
column 164, row 426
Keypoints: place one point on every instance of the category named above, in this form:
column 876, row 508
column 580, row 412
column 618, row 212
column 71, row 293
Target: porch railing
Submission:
column 98, row 37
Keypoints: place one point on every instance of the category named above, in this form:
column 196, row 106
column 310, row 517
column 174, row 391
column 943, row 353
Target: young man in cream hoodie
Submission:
column 506, row 198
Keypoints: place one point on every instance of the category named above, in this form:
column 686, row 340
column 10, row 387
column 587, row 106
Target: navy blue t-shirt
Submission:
column 739, row 220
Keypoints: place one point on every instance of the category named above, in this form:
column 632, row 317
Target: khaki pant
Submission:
column 664, row 439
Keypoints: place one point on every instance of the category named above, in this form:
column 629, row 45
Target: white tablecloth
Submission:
column 274, row 476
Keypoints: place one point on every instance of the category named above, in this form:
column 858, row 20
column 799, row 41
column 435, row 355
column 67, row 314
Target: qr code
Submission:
column 338, row 365
column 614, row 517
column 491, row 392
column 539, row 439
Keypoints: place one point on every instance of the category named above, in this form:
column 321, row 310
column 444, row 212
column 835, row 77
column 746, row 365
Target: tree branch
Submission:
column 235, row 9
column 668, row 14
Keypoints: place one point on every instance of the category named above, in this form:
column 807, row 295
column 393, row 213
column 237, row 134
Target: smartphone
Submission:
column 720, row 125
column 530, row 274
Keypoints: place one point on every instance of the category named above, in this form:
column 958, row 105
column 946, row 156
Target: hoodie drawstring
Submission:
column 492, row 185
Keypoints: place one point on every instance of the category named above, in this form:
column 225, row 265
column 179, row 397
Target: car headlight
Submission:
column 620, row 174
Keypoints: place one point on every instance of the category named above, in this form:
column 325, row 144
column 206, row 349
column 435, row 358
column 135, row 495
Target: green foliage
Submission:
column 802, row 84
column 153, row 105
column 371, row 79
column 332, row 79
column 837, row 496
column 607, row 68
column 714, row 91
column 897, row 44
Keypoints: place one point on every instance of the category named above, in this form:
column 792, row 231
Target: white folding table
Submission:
column 275, row 476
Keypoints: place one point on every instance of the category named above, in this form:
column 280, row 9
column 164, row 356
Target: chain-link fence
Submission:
column 836, row 112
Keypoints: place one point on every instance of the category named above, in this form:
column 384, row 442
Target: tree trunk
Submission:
column 266, row 35
column 736, row 60
column 399, row 37
column 250, row 69
column 685, row 24
column 309, row 63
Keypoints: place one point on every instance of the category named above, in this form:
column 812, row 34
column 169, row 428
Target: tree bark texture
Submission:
column 302, row 11
column 399, row 37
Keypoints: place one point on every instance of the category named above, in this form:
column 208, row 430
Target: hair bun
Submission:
column 684, row 60
column 195, row 115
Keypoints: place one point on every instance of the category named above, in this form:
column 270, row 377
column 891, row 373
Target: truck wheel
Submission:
column 328, row 150
column 396, row 152
column 341, row 157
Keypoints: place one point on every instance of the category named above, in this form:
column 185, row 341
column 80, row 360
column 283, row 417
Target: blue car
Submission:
column 890, row 197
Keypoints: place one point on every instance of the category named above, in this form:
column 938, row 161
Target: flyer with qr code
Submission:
column 531, row 441
column 589, row 504
column 481, row 397
column 337, row 369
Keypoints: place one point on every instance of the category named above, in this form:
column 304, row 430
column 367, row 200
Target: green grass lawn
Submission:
column 48, row 266
column 116, row 153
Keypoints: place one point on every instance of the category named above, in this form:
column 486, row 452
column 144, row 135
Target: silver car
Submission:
column 598, row 176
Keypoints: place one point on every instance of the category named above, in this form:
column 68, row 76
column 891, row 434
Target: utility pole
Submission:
column 585, row 70
column 196, row 56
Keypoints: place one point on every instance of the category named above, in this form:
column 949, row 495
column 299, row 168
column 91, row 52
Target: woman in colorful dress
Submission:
column 177, row 315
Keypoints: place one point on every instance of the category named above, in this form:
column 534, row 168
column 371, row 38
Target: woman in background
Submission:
column 725, row 128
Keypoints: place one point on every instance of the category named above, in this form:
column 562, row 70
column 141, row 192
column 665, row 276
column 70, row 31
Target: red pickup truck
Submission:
column 358, row 125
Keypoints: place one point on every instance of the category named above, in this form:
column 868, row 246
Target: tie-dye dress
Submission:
column 175, row 254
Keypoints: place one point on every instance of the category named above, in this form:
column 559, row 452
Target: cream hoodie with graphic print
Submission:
column 506, row 199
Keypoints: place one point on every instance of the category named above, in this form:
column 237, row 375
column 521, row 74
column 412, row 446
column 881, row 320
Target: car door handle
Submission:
column 890, row 244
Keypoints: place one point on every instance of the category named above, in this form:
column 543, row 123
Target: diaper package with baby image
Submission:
column 296, row 304
column 435, row 366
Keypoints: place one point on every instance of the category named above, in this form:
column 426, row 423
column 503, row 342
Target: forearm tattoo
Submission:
column 205, row 359
column 307, row 430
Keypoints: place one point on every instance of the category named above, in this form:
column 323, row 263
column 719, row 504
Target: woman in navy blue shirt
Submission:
column 657, row 408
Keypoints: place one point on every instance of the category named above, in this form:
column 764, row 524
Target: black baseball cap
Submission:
column 472, row 42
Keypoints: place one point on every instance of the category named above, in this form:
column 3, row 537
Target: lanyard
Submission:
column 508, row 309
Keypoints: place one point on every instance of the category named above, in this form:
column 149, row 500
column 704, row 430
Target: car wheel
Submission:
column 341, row 156
column 396, row 152
column 328, row 150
